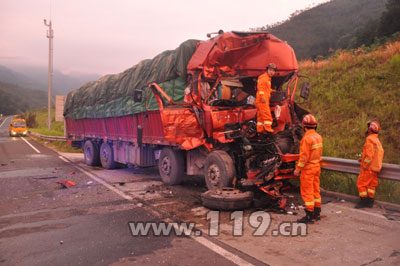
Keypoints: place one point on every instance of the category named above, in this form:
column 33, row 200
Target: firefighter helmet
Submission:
column 374, row 126
column 309, row 121
column 272, row 65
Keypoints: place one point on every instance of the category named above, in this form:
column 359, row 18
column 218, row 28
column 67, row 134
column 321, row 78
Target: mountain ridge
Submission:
column 327, row 27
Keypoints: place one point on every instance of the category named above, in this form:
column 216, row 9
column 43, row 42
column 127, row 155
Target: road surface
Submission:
column 88, row 224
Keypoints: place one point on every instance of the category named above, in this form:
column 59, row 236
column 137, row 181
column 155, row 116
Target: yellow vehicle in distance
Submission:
column 18, row 127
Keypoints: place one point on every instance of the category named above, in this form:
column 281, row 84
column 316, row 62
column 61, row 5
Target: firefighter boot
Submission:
column 317, row 213
column 370, row 202
column 268, row 128
column 308, row 219
column 362, row 203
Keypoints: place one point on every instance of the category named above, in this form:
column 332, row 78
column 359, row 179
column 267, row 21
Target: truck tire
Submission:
column 171, row 166
column 227, row 199
column 219, row 170
column 91, row 153
column 107, row 156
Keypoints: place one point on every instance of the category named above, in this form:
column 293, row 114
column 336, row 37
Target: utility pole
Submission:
column 50, row 35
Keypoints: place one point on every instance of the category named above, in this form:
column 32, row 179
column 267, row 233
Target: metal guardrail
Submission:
column 53, row 138
column 389, row 171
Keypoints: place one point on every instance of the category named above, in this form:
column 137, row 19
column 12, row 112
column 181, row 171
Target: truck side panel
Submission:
column 122, row 128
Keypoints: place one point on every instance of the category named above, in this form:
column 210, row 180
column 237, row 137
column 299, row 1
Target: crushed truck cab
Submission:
column 195, row 114
column 18, row 127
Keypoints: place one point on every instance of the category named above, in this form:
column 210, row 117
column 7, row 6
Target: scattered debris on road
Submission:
column 66, row 184
column 47, row 177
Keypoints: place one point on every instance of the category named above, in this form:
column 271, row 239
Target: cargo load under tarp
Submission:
column 112, row 95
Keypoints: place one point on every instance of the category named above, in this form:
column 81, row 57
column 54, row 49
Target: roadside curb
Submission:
column 383, row 204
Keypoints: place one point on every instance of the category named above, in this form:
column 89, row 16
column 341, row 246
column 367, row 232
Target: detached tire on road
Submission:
column 91, row 153
column 171, row 166
column 107, row 156
column 227, row 199
column 219, row 170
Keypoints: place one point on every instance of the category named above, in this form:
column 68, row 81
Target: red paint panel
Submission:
column 118, row 128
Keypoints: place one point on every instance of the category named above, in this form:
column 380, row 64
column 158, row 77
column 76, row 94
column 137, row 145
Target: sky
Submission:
column 110, row 36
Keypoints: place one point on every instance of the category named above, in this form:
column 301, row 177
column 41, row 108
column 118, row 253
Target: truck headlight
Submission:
column 13, row 132
column 26, row 131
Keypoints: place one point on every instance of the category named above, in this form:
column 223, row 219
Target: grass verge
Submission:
column 57, row 129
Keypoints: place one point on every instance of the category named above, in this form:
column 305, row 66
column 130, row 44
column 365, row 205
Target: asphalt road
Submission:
column 44, row 224
column 87, row 224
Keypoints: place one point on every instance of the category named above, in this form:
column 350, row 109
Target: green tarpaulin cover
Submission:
column 112, row 95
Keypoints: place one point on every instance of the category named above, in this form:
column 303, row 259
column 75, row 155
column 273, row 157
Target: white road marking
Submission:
column 202, row 240
column 5, row 119
column 119, row 192
column 92, row 176
column 221, row 251
column 62, row 158
column 30, row 145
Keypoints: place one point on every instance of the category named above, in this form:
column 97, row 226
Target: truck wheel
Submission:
column 227, row 199
column 219, row 170
column 171, row 166
column 91, row 153
column 107, row 156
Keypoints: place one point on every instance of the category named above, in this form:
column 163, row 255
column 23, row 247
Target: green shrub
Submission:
column 395, row 61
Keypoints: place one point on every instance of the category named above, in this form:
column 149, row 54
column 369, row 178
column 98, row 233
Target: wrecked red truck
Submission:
column 191, row 111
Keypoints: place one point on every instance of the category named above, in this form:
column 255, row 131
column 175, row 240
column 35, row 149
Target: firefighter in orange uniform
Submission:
column 309, row 165
column 264, row 117
column 371, row 165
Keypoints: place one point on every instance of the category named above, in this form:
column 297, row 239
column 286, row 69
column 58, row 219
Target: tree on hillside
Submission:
column 390, row 19
column 365, row 35
column 386, row 25
column 329, row 26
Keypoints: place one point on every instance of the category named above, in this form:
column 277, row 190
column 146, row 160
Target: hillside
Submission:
column 37, row 78
column 10, row 76
column 15, row 99
column 349, row 89
column 327, row 27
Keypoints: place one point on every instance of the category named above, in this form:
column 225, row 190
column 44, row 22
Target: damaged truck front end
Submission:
column 223, row 143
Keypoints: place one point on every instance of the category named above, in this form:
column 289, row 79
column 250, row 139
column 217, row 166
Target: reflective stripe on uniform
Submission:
column 379, row 147
column 309, row 203
column 261, row 92
column 371, row 191
column 363, row 193
column 267, row 123
column 366, row 160
column 300, row 165
column 318, row 145
column 259, row 124
column 317, row 200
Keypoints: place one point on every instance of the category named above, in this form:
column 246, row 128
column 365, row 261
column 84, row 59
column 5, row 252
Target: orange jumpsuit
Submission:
column 264, row 117
column 309, row 165
column 371, row 164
